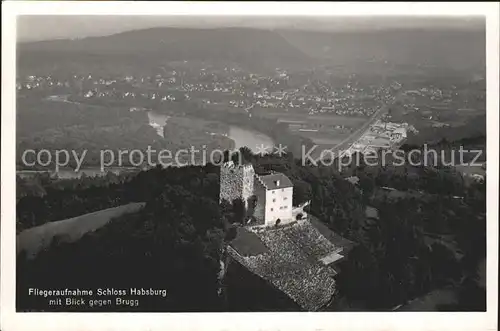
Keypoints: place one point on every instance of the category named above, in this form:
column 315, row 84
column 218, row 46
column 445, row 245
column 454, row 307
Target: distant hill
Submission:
column 244, row 46
column 451, row 48
column 437, row 47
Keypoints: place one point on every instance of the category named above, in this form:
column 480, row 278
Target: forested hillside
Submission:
column 248, row 47
column 177, row 240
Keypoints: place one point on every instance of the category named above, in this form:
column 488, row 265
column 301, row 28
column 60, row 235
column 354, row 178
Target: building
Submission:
column 399, row 133
column 272, row 193
column 285, row 259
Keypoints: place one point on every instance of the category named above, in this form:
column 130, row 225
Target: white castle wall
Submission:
column 279, row 206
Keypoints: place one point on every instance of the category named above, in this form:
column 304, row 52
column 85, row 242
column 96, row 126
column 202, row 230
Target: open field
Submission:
column 324, row 120
column 326, row 141
column 35, row 239
column 332, row 137
column 324, row 130
column 198, row 123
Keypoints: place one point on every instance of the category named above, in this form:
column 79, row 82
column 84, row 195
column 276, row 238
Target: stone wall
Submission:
column 248, row 181
column 260, row 193
column 236, row 182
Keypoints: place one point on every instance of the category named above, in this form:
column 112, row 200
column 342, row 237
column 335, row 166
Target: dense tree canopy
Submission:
column 429, row 234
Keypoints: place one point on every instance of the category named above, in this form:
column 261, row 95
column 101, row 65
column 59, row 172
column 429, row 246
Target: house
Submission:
column 398, row 134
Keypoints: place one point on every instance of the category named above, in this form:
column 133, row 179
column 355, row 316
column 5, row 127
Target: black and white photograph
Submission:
column 237, row 163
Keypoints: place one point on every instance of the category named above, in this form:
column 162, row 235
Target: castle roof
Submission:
column 275, row 181
column 295, row 258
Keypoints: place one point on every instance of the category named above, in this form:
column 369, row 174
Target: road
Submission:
column 358, row 133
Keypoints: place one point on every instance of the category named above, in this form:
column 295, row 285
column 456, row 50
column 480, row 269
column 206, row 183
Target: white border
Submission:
column 239, row 321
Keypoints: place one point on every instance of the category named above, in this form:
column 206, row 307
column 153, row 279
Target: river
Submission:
column 251, row 139
column 241, row 137
column 157, row 121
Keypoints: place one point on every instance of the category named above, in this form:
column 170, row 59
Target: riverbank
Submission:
column 242, row 137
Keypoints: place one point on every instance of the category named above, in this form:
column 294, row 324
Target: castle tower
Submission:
column 236, row 181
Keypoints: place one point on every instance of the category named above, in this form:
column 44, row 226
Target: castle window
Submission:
column 285, row 198
column 274, row 200
column 272, row 209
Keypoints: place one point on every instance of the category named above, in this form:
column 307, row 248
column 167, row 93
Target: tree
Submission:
column 246, row 154
column 301, row 192
column 239, row 211
column 367, row 186
column 178, row 239
column 251, row 203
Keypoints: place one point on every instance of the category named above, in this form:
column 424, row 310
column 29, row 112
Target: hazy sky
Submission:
column 32, row 28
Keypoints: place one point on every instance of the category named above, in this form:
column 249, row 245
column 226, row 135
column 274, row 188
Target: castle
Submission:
column 268, row 198
column 276, row 261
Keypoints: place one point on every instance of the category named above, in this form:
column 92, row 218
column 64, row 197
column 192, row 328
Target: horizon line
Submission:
column 340, row 25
